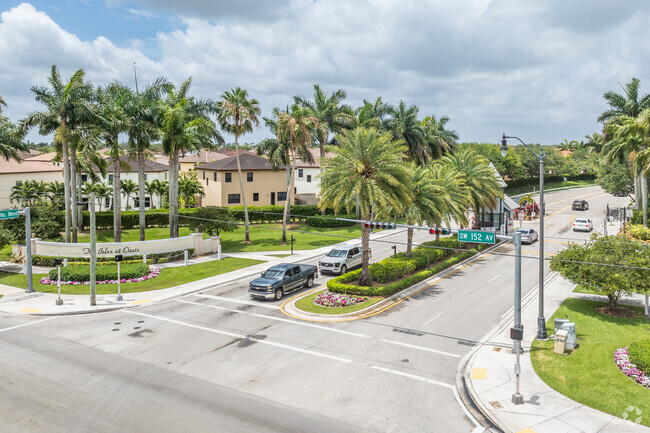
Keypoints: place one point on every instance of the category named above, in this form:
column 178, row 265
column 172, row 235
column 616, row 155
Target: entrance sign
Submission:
column 479, row 237
column 9, row 214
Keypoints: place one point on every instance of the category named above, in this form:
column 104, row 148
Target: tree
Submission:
column 55, row 191
column 331, row 114
column 213, row 220
column 510, row 166
column 10, row 140
column 628, row 104
column 155, row 188
column 184, row 125
column 373, row 114
column 189, row 187
column 295, row 129
column 583, row 264
column 615, row 177
column 480, row 178
column 63, row 103
column 128, row 187
column 439, row 139
column 237, row 115
column 404, row 125
column 370, row 166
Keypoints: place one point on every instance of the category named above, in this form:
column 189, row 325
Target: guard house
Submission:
column 500, row 218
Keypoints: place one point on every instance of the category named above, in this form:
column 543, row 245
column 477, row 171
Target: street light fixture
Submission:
column 541, row 321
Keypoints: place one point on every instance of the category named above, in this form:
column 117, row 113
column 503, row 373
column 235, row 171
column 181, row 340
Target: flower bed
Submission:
column 329, row 299
column 622, row 360
column 153, row 273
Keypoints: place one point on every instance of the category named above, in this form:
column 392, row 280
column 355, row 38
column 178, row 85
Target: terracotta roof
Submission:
column 27, row 166
column 48, row 157
column 203, row 156
column 29, row 154
column 149, row 166
column 315, row 153
column 247, row 160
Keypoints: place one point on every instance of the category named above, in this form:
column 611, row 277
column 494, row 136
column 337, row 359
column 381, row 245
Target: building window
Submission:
column 204, row 175
column 147, row 202
column 229, row 178
column 84, row 177
column 249, row 176
column 300, row 172
column 145, row 177
column 207, row 182
column 295, row 190
column 309, row 178
column 256, row 196
column 110, row 178
column 233, row 198
column 215, row 176
column 282, row 195
column 108, row 202
column 19, row 182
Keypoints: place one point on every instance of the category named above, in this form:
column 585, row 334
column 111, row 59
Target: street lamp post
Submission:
column 541, row 321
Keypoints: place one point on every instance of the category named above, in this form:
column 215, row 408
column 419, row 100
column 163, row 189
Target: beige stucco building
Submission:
column 263, row 185
column 16, row 172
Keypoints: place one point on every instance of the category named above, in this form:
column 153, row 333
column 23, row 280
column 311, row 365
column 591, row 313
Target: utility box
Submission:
column 571, row 339
column 559, row 322
column 560, row 341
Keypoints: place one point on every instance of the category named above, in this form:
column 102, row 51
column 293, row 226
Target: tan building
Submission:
column 263, row 185
column 17, row 172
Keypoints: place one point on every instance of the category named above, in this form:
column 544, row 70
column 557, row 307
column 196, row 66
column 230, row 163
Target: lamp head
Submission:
column 504, row 146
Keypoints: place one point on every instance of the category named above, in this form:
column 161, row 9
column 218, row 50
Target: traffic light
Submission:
column 380, row 225
column 439, row 230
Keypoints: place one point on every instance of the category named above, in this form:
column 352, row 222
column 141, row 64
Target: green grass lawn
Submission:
column 168, row 277
column 548, row 185
column 307, row 304
column 589, row 375
column 264, row 238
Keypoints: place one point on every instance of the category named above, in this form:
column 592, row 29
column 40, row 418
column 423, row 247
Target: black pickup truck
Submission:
column 280, row 279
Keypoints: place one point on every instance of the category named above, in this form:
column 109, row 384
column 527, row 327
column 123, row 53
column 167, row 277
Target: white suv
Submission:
column 342, row 258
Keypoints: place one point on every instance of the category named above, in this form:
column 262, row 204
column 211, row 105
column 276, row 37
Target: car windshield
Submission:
column 524, row 231
column 581, row 221
column 337, row 253
column 273, row 274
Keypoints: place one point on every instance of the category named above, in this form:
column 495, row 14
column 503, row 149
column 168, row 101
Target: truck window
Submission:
column 296, row 270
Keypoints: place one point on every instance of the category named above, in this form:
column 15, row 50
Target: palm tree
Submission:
column 2, row 104
column 237, row 115
column 128, row 188
column 373, row 114
column 184, row 125
column 331, row 114
column 63, row 103
column 154, row 188
column 295, row 129
column 370, row 166
column 625, row 105
column 164, row 194
column 479, row 177
column 404, row 125
column 10, row 140
column 55, row 191
column 439, row 139
column 189, row 187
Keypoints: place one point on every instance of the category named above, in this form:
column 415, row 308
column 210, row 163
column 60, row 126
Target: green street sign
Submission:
column 8, row 214
column 478, row 237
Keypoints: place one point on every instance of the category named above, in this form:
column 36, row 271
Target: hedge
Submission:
column 151, row 258
column 549, row 178
column 109, row 272
column 640, row 232
column 639, row 353
column 637, row 216
column 329, row 221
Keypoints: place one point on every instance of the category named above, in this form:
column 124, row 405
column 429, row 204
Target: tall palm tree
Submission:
column 404, row 125
column 10, row 140
column 373, row 114
column 63, row 102
column 184, row 125
column 370, row 166
column 295, row 128
column 628, row 104
column 332, row 115
column 153, row 188
column 480, row 178
column 128, row 188
column 189, row 187
column 55, row 191
column 2, row 104
column 237, row 114
column 439, row 139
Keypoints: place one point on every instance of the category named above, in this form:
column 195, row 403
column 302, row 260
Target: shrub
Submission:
column 640, row 232
column 639, row 354
column 108, row 272
column 329, row 221
column 391, row 269
column 637, row 216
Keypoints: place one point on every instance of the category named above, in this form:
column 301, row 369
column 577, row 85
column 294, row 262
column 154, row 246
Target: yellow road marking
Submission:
column 479, row 373
column 31, row 310
column 528, row 430
column 141, row 301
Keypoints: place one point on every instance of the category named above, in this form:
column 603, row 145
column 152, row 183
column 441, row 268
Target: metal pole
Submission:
column 517, row 307
column 93, row 251
column 517, row 398
column 59, row 301
column 292, row 245
column 541, row 322
column 646, row 306
column 28, row 250
column 119, row 281
column 185, row 256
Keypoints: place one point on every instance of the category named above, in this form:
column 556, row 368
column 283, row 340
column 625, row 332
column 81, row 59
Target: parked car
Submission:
column 580, row 205
column 281, row 279
column 340, row 259
column 528, row 236
column 583, row 225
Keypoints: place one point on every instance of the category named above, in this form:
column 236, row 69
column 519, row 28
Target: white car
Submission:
column 340, row 259
column 528, row 236
column 583, row 225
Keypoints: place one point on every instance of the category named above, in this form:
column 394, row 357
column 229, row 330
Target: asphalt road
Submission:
column 218, row 361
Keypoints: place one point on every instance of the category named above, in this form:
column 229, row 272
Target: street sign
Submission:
column 8, row 214
column 476, row 236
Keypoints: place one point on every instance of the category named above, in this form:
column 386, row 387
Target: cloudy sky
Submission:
column 534, row 69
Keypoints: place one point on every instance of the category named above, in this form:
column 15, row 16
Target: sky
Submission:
column 532, row 69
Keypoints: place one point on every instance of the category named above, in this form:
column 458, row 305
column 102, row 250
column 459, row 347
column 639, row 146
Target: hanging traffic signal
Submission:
column 444, row 231
column 439, row 231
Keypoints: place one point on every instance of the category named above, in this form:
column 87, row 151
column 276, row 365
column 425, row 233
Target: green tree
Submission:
column 213, row 220
column 237, row 114
column 628, row 104
column 615, row 177
column 439, row 139
column 583, row 264
column 155, row 188
column 370, row 166
column 404, row 125
column 510, row 167
column 55, row 191
column 189, row 187
column 10, row 140
column 373, row 114
column 128, row 187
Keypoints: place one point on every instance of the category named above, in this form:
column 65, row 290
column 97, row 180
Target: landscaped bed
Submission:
column 309, row 304
column 591, row 374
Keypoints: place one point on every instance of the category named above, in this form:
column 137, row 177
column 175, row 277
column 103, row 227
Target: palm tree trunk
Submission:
column 364, row 277
column 409, row 241
column 173, row 195
column 285, row 217
column 73, row 187
column 247, row 238
column 117, row 202
column 141, row 201
column 80, row 214
column 644, row 199
column 66, row 186
column 637, row 190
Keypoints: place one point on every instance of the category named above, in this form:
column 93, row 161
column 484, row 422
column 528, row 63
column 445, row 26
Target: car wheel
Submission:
column 344, row 269
column 278, row 294
column 310, row 282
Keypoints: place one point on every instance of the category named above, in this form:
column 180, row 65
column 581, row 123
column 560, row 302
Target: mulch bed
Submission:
column 620, row 312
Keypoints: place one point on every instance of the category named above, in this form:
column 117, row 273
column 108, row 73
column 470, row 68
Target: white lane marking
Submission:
column 494, row 278
column 279, row 319
column 27, row 324
column 426, row 349
column 507, row 312
column 233, row 335
column 434, row 317
column 478, row 429
column 237, row 301
column 413, row 376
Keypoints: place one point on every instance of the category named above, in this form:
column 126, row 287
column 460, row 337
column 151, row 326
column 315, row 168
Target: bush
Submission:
column 329, row 221
column 108, row 272
column 534, row 181
column 639, row 354
column 640, row 232
column 391, row 269
column 637, row 216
